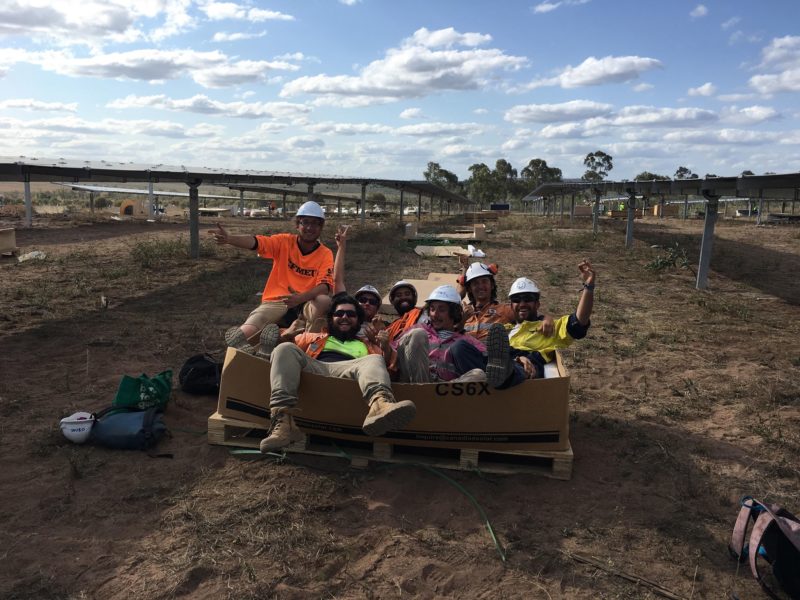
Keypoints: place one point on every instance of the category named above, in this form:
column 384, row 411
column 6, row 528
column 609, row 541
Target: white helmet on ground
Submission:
column 523, row 285
column 368, row 289
column 77, row 427
column 445, row 293
column 476, row 270
column 310, row 209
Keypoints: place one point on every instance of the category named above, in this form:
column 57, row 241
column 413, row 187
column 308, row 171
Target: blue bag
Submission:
column 128, row 428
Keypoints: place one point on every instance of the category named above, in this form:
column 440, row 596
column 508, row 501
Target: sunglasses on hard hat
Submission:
column 345, row 313
column 517, row 298
column 372, row 300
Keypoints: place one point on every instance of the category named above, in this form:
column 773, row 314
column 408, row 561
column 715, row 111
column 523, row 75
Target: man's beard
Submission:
column 342, row 336
column 402, row 307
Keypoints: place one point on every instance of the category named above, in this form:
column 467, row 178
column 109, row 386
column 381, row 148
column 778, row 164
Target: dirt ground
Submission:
column 682, row 402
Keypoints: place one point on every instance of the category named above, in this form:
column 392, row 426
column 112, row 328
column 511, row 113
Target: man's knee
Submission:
column 286, row 351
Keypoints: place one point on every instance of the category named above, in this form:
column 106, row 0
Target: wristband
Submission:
column 588, row 286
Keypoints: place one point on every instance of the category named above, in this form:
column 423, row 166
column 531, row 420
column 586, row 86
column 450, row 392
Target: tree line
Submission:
column 504, row 183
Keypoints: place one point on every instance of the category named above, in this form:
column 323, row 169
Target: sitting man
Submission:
column 483, row 308
column 439, row 350
column 300, row 280
column 528, row 345
column 334, row 354
column 403, row 297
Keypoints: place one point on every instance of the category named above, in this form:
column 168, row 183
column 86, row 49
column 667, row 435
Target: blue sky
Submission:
column 378, row 88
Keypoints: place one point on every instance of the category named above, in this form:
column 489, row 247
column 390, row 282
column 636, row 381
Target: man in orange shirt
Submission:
column 301, row 276
column 403, row 297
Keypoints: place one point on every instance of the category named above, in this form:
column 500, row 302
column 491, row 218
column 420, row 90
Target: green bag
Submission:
column 144, row 392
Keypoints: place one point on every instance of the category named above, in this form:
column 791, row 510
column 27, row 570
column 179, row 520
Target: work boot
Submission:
column 235, row 338
column 386, row 413
column 472, row 375
column 282, row 430
column 270, row 336
column 500, row 365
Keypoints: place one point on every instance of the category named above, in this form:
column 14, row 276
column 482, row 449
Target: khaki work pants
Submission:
column 288, row 362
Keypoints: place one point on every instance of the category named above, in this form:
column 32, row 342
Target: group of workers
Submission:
column 463, row 332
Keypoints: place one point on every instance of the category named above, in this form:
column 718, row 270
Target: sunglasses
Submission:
column 309, row 223
column 345, row 313
column 369, row 300
column 524, row 298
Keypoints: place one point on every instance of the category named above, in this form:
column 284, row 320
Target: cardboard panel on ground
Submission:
column 533, row 416
column 8, row 241
column 441, row 251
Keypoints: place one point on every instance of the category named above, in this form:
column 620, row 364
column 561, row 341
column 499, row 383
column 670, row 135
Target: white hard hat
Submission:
column 476, row 270
column 310, row 209
column 523, row 285
column 398, row 285
column 76, row 428
column 368, row 289
column 445, row 293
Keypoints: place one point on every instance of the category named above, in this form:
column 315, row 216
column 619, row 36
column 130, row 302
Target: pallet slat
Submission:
column 557, row 465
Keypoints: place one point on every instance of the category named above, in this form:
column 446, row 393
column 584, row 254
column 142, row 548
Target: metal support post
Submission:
column 631, row 216
column 760, row 206
column 419, row 206
column 150, row 211
column 712, row 209
column 241, row 203
column 28, row 201
column 402, row 197
column 572, row 209
column 363, row 204
column 596, row 211
column 194, row 218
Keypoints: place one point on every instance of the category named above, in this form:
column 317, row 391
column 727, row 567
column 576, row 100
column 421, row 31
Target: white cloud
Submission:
column 781, row 55
column 750, row 115
column 222, row 36
column 699, row 11
column 411, row 113
column 599, row 71
column 480, row 111
column 209, row 69
column 740, row 36
column 707, row 89
column 565, row 130
column 219, row 11
column 643, row 87
column 440, row 129
column 204, row 105
column 424, row 64
column 106, row 127
column 730, row 22
column 349, row 128
column 303, row 143
column 722, row 136
column 552, row 113
column 37, row 105
column 349, row 2
column 652, row 116
column 92, row 22
column 547, row 6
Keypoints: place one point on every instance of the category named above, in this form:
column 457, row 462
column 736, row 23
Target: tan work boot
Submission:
column 282, row 430
column 235, row 338
column 270, row 337
column 386, row 413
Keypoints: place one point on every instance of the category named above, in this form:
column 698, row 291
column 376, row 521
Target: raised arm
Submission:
column 221, row 236
column 586, row 301
column 338, row 263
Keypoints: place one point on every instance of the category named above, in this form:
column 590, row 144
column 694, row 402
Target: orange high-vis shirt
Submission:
column 291, row 268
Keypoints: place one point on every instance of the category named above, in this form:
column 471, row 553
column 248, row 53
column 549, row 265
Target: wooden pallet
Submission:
column 557, row 465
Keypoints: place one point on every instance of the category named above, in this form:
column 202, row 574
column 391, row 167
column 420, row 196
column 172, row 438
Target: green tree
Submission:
column 747, row 172
column 648, row 176
column 536, row 172
column 684, row 173
column 442, row 177
column 482, row 185
column 598, row 165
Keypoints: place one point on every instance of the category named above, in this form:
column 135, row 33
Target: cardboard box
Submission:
column 531, row 416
